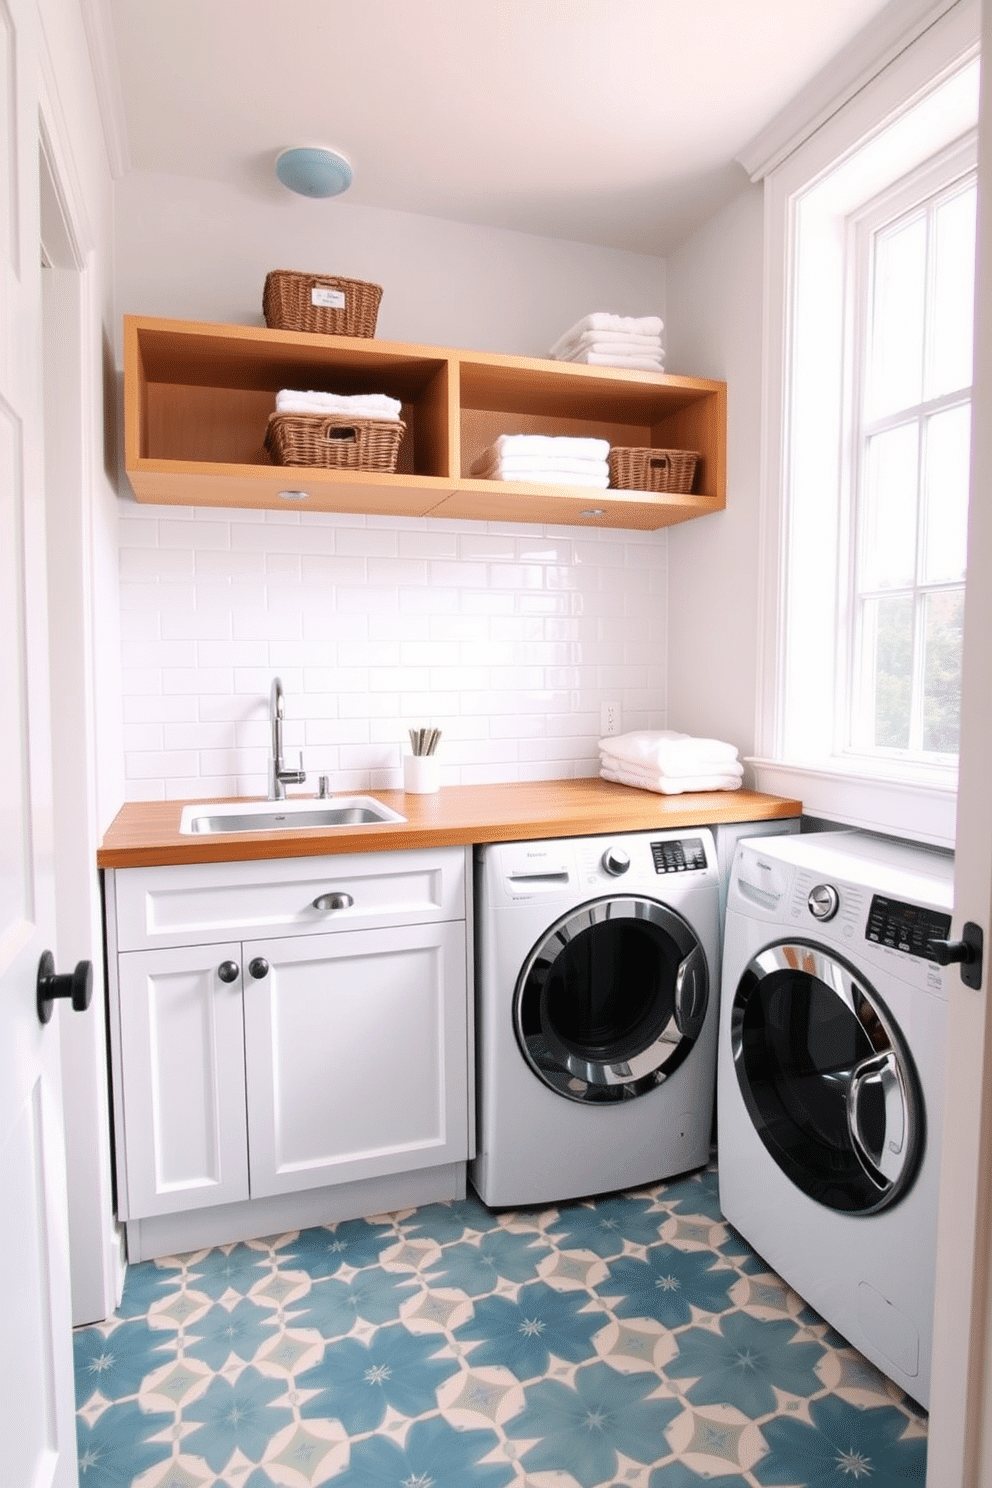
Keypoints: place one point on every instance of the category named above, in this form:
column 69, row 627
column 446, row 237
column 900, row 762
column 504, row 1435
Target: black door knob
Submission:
column 258, row 967
column 76, row 985
column 968, row 952
column 228, row 971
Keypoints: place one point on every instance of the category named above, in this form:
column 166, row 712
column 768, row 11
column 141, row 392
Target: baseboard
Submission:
column 226, row 1224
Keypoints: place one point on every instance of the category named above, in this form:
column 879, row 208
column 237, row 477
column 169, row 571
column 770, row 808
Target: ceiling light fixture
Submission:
column 312, row 170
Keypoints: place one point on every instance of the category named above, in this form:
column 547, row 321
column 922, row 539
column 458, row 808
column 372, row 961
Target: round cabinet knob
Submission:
column 823, row 902
column 76, row 985
column 228, row 971
column 615, row 861
column 258, row 968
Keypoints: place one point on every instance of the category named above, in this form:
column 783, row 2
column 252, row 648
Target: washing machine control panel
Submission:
column 905, row 927
column 678, row 856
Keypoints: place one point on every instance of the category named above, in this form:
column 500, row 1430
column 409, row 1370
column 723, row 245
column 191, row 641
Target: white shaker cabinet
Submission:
column 355, row 1055
column 287, row 1036
column 180, row 1080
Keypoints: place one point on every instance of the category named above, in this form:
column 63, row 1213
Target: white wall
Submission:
column 714, row 299
column 507, row 637
column 200, row 250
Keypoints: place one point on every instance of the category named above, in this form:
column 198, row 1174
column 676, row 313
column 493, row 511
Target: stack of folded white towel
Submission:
column 546, row 458
column 604, row 340
column 362, row 405
column 670, row 763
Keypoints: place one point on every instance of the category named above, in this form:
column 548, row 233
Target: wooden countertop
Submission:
column 146, row 833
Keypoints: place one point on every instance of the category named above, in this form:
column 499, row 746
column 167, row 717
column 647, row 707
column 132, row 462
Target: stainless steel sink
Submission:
column 285, row 816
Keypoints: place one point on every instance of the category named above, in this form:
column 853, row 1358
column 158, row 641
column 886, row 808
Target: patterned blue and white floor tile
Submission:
column 635, row 1342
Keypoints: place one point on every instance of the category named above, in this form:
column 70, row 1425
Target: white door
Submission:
column 960, row 1446
column 36, row 1387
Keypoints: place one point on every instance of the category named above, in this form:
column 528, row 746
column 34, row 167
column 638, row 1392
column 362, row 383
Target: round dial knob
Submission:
column 823, row 902
column 615, row 861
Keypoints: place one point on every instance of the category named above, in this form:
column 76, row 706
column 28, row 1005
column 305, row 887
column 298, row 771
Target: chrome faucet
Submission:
column 279, row 776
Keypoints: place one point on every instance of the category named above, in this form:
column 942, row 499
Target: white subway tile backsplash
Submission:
column 152, row 653
column 146, row 764
column 458, row 575
column 432, row 600
column 223, row 564
column 284, row 566
column 196, row 625
column 194, row 537
column 408, row 571
column 158, row 709
column 497, row 547
column 154, row 563
column 366, row 601
column 141, row 737
column 198, row 680
column 429, row 543
column 506, row 637
column 368, row 542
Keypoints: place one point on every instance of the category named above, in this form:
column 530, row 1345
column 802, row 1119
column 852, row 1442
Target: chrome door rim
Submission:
column 605, row 1080
column 892, row 1171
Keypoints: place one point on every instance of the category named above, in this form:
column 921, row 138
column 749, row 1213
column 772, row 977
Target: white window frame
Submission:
column 939, row 178
column 922, row 103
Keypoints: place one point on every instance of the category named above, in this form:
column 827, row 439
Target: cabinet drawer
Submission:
column 196, row 903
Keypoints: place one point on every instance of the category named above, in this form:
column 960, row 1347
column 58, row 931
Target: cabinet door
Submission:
column 182, row 1067
column 356, row 1055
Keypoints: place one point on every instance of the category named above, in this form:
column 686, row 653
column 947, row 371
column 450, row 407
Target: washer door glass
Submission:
column 826, row 1078
column 611, row 999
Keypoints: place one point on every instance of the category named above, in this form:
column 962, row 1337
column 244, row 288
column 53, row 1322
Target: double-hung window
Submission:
column 913, row 257
column 869, row 281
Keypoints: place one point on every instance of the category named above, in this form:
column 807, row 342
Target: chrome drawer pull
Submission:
column 333, row 901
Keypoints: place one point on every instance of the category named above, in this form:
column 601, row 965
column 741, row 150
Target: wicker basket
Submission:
column 652, row 469
column 323, row 303
column 333, row 441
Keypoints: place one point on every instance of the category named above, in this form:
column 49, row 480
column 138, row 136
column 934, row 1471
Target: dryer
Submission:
column 831, row 1080
column 596, row 1009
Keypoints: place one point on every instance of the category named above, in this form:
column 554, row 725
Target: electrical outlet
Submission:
column 609, row 719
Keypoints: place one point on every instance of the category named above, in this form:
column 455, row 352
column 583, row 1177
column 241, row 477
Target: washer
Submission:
column 596, row 983
column 831, row 1080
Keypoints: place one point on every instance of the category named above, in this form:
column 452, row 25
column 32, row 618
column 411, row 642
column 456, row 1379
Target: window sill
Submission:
column 907, row 806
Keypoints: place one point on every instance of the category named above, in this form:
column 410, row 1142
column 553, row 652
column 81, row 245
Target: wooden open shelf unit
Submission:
column 197, row 398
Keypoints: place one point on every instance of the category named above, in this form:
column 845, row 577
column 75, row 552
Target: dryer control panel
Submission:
column 678, row 856
column 906, row 927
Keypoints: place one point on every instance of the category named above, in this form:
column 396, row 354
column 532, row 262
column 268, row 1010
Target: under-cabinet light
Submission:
column 295, row 495
column 594, row 511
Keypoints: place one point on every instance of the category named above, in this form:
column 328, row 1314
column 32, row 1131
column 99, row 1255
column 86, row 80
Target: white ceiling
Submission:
column 614, row 122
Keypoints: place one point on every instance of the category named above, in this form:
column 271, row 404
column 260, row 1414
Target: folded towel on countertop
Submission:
column 361, row 405
column 665, row 786
column 669, row 751
column 649, row 776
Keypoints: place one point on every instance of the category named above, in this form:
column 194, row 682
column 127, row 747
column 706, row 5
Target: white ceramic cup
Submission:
column 421, row 774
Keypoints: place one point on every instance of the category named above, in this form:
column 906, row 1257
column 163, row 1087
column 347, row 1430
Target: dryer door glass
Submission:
column 611, row 999
column 826, row 1078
